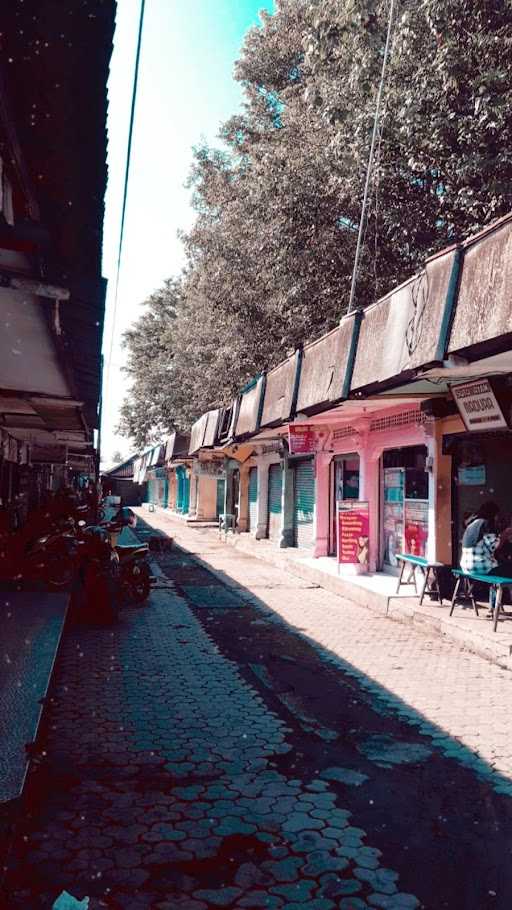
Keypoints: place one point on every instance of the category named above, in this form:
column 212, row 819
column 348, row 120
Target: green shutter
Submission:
column 275, row 489
column 304, row 504
column 186, row 494
column 253, row 498
column 221, row 490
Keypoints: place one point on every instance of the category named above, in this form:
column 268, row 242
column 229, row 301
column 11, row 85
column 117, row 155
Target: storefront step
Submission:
column 377, row 593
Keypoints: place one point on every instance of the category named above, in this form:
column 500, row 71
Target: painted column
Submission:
column 369, row 481
column 442, row 500
column 194, row 483
column 286, row 539
column 262, row 522
column 322, row 503
column 243, row 508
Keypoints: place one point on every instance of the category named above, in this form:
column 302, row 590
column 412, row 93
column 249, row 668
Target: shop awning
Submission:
column 500, row 365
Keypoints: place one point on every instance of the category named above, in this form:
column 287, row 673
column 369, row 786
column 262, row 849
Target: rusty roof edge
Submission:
column 488, row 229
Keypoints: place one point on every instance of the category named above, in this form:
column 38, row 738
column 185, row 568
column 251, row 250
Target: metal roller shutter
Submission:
column 221, row 489
column 186, row 494
column 253, row 498
column 275, row 487
column 304, row 504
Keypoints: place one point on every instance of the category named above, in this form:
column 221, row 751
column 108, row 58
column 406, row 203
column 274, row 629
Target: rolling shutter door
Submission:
column 304, row 504
column 186, row 493
column 253, row 498
column 221, row 488
column 275, row 486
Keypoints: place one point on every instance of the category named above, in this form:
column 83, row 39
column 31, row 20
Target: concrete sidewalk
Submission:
column 373, row 592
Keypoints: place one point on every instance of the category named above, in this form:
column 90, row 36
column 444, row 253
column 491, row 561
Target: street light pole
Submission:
column 351, row 301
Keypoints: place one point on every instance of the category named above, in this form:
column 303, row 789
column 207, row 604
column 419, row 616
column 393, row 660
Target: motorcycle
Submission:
column 96, row 589
column 134, row 572
column 47, row 560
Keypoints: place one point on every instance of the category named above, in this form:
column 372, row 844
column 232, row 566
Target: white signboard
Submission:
column 478, row 406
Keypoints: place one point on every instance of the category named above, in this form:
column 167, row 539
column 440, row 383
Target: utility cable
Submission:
column 125, row 189
column 362, row 219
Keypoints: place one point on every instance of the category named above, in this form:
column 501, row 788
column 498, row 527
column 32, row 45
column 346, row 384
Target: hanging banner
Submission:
column 301, row 439
column 478, row 406
column 353, row 532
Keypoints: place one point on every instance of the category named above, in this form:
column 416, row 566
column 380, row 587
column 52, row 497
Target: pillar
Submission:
column 262, row 522
column 243, row 506
column 369, row 480
column 194, row 483
column 441, row 501
column 322, row 501
column 287, row 535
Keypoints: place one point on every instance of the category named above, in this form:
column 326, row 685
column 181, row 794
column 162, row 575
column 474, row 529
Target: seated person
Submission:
column 481, row 540
column 484, row 550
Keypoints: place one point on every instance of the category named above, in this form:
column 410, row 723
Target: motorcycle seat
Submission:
column 126, row 552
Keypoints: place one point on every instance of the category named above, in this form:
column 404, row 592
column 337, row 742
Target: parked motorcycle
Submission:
column 47, row 560
column 134, row 572
column 96, row 589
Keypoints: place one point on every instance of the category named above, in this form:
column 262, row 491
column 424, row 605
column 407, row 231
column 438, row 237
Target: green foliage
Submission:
column 270, row 254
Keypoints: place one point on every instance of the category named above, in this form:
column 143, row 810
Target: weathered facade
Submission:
column 373, row 398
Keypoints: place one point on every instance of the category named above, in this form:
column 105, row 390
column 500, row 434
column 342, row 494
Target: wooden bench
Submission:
column 468, row 580
column 428, row 569
column 31, row 627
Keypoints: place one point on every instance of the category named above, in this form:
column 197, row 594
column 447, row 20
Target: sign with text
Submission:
column 478, row 406
column 353, row 532
column 301, row 439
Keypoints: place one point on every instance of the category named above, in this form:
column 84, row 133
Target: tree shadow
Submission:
column 441, row 814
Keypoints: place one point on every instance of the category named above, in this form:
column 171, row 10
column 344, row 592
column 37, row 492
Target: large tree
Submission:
column 270, row 254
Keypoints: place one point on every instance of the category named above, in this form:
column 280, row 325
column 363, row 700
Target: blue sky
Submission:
column 186, row 89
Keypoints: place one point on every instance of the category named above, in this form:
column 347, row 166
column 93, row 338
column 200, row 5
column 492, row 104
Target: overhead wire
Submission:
column 125, row 187
column 369, row 169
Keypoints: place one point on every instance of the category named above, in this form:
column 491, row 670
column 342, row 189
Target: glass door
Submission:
column 345, row 479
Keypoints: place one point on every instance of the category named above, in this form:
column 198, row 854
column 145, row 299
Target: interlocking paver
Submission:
column 286, row 823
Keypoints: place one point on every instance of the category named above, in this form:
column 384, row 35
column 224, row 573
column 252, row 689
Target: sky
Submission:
column 186, row 90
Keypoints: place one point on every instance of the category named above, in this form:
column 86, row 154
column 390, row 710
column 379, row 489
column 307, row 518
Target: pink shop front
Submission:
column 385, row 459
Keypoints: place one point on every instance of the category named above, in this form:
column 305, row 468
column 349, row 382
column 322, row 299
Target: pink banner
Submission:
column 353, row 533
column 301, row 440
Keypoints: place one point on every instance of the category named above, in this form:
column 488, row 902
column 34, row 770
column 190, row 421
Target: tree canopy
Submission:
column 270, row 256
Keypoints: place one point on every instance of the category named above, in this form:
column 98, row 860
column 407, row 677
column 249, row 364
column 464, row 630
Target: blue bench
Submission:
column 428, row 568
column 31, row 626
column 468, row 580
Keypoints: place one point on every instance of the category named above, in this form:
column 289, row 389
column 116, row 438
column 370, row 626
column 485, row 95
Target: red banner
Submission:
column 353, row 532
column 301, row 439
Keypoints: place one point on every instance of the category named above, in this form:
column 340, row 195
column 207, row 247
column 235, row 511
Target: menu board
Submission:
column 416, row 526
column 353, row 532
column 394, row 482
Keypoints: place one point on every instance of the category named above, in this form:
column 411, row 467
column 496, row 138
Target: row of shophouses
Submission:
column 54, row 66
column 404, row 409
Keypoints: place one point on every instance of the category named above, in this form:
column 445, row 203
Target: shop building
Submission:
column 369, row 415
column 208, row 475
column 52, row 294
column 177, row 466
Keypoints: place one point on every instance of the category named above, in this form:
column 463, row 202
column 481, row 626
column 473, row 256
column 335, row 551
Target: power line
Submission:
column 125, row 190
column 351, row 301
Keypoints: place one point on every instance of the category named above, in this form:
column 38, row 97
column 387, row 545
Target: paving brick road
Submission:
column 266, row 744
